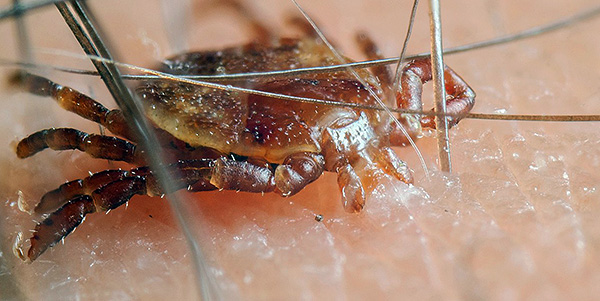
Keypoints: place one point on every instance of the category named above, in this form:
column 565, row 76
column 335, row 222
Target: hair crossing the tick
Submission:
column 287, row 147
column 261, row 130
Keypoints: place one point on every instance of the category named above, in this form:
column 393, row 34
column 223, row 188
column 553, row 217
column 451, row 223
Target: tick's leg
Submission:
column 297, row 171
column 262, row 34
column 353, row 193
column 370, row 49
column 57, row 198
column 300, row 23
column 78, row 103
column 97, row 146
column 230, row 174
column 389, row 161
column 111, row 189
column 362, row 174
column 460, row 97
column 58, row 225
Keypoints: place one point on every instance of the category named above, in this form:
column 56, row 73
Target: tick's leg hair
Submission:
column 460, row 97
column 97, row 146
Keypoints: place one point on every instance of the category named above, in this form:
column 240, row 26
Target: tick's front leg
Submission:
column 460, row 98
column 297, row 171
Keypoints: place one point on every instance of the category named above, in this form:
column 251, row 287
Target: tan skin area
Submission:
column 515, row 219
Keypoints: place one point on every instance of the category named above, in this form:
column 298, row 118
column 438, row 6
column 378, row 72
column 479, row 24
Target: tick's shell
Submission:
column 250, row 125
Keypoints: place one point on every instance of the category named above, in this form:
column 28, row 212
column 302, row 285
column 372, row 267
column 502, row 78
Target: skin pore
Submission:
column 516, row 218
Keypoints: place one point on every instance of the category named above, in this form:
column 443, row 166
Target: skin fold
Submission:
column 516, row 218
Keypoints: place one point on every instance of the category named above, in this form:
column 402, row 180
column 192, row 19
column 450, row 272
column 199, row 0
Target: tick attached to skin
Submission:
column 229, row 140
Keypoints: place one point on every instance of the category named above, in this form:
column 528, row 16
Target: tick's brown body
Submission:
column 288, row 144
column 251, row 125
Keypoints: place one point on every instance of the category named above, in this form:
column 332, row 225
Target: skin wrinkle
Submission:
column 571, row 216
column 506, row 227
column 508, row 231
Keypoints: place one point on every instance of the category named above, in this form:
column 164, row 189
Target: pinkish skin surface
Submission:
column 516, row 219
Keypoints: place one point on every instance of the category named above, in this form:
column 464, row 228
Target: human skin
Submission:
column 516, row 219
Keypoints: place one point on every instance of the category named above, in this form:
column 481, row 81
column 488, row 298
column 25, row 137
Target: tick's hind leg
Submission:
column 302, row 24
column 78, row 103
column 105, row 191
column 57, row 198
column 370, row 49
column 262, row 34
column 97, row 146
